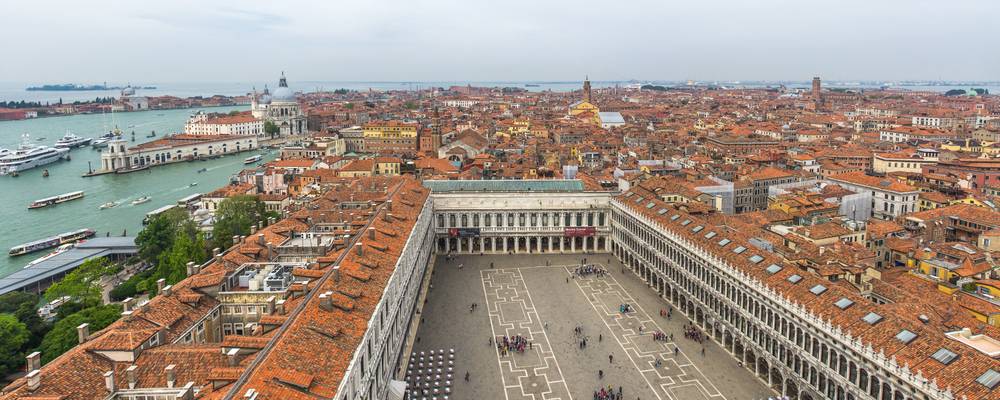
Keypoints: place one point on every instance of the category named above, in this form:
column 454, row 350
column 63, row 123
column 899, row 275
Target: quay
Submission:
column 39, row 277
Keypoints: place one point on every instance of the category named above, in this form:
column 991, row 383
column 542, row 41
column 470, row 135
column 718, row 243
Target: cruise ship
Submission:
column 28, row 156
column 70, row 141
column 52, row 241
column 48, row 201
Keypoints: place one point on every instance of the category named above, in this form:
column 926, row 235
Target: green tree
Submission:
column 63, row 335
column 83, row 284
column 13, row 335
column 157, row 237
column 234, row 217
column 11, row 302
column 271, row 129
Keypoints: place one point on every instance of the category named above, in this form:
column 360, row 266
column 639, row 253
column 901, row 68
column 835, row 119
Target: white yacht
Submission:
column 70, row 141
column 28, row 156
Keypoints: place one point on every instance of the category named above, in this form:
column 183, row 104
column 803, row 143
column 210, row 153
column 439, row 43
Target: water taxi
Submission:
column 52, row 241
column 143, row 199
column 108, row 205
column 48, row 201
column 252, row 159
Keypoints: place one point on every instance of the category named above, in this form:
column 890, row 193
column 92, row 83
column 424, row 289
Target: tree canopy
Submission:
column 271, row 128
column 159, row 234
column 169, row 242
column 234, row 217
column 83, row 284
column 13, row 335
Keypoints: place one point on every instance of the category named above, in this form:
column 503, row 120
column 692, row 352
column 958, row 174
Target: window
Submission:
column 739, row 249
column 990, row 379
column 944, row 356
column 756, row 258
column 686, row 222
column 674, row 217
column 227, row 329
column 905, row 336
column 662, row 211
column 872, row 318
column 724, row 242
column 697, row 229
column 817, row 290
column 710, row 235
column 844, row 303
column 773, row 269
column 238, row 329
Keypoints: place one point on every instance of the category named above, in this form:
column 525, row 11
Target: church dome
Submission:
column 264, row 99
column 283, row 94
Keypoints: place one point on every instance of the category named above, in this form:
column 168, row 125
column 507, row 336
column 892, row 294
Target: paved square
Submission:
column 535, row 296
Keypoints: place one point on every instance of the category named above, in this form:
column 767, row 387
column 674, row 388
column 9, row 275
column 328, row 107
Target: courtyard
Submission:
column 537, row 298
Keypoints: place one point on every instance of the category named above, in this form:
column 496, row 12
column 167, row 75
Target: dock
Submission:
column 39, row 277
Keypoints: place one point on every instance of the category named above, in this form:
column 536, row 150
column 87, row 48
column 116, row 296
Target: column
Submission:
column 551, row 245
column 562, row 244
column 447, row 245
column 505, row 245
column 572, row 245
column 493, row 242
column 539, row 244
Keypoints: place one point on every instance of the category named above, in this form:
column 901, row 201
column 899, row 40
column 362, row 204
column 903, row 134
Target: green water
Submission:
column 165, row 184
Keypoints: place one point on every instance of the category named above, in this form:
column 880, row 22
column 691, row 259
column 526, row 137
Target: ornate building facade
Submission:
column 280, row 108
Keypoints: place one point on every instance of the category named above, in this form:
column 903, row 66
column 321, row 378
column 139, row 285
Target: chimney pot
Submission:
column 388, row 217
column 216, row 251
column 34, row 361
column 167, row 290
column 109, row 381
column 371, row 233
column 336, row 273
column 324, row 301
column 34, row 379
column 388, row 205
column 231, row 355
column 83, row 333
column 160, row 283
column 279, row 307
column 190, row 268
column 253, row 228
column 360, row 248
column 171, row 376
column 132, row 378
column 236, row 239
column 260, row 239
column 127, row 304
column 270, row 305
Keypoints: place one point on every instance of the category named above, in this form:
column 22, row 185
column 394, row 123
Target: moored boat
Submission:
column 49, row 242
column 48, row 201
column 71, row 141
column 28, row 156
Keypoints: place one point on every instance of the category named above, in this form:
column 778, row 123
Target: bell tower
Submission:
column 586, row 90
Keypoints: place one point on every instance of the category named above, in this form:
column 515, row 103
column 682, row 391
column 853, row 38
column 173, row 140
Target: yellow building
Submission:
column 390, row 130
column 586, row 105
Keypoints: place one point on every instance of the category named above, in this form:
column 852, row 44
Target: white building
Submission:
column 241, row 124
column 120, row 155
column 890, row 198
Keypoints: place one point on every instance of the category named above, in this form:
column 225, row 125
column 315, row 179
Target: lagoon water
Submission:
column 165, row 184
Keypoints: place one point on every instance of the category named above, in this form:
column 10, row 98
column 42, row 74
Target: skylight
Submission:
column 662, row 211
column 905, row 336
column 756, row 258
column 872, row 318
column 638, row 200
column 686, row 222
column 773, row 269
column 794, row 278
column 710, row 235
column 674, row 217
column 697, row 229
column 990, row 378
column 843, row 303
column 650, row 204
column 739, row 249
column 817, row 290
column 629, row 194
column 944, row 356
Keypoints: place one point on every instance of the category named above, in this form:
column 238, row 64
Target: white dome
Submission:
column 283, row 95
column 264, row 99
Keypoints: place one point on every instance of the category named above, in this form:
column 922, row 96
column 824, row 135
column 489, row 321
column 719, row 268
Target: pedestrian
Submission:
column 611, row 358
column 460, row 266
column 600, row 337
column 600, row 374
column 466, row 376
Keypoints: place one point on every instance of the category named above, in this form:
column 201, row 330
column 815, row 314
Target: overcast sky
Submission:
column 472, row 40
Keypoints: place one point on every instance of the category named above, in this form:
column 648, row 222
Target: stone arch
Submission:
column 791, row 389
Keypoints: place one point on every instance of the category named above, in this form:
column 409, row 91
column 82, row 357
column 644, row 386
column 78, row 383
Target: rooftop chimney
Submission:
column 130, row 375
column 260, row 239
column 360, row 248
column 336, row 273
column 236, row 239
column 270, row 305
column 388, row 217
column 253, row 228
column 216, row 251
column 190, row 268
column 388, row 205
column 109, row 381
column 371, row 233
column 83, row 332
column 160, row 283
column 324, row 301
column 167, row 290
column 171, row 376
column 127, row 304
column 34, row 361
column 279, row 307
column 231, row 356
column 34, row 379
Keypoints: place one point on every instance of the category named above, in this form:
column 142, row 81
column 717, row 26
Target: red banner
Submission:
column 579, row 231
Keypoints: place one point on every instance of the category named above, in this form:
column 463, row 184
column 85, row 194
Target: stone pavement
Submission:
column 532, row 296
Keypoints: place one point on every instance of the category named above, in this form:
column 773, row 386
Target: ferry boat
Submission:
column 48, row 201
column 52, row 241
column 28, row 156
column 143, row 199
column 71, row 141
column 252, row 159
column 57, row 251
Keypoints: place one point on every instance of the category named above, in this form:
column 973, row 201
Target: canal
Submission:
column 165, row 184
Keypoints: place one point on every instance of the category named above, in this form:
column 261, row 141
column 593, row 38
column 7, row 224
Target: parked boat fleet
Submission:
column 29, row 155
column 51, row 241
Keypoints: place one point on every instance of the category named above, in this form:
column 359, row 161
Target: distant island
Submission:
column 76, row 87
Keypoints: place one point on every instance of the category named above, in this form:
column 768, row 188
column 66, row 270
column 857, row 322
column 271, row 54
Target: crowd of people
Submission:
column 507, row 344
column 662, row 337
column 692, row 332
column 590, row 269
column 608, row 393
column 624, row 308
